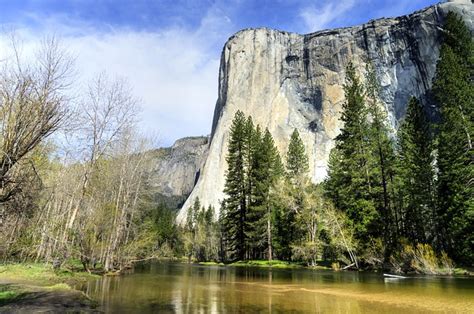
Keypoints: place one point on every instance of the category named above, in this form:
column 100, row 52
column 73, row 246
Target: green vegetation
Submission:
column 200, row 234
column 276, row 212
column 43, row 274
column 211, row 264
column 454, row 91
column 7, row 296
column 88, row 200
column 392, row 205
column 267, row 264
column 35, row 282
column 403, row 202
column 417, row 190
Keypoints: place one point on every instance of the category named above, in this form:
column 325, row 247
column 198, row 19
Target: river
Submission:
column 181, row 288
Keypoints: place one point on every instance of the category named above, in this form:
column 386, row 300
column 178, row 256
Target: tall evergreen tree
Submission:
column 252, row 141
column 291, row 192
column 257, row 168
column 236, row 189
column 349, row 183
column 416, row 173
column 296, row 158
column 382, row 161
column 268, row 170
column 454, row 92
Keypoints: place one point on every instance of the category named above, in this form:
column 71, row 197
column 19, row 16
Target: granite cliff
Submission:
column 175, row 169
column 287, row 80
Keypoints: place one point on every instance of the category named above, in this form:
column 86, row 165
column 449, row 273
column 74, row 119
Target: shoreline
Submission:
column 276, row 264
column 36, row 287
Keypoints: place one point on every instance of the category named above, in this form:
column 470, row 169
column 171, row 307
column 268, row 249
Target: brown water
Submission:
column 183, row 288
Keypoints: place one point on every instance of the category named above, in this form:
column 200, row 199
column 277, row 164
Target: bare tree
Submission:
column 105, row 113
column 86, row 201
column 32, row 106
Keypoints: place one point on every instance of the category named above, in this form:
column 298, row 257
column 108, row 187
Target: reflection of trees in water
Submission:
column 182, row 288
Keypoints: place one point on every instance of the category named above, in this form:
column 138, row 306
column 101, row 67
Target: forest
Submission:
column 74, row 168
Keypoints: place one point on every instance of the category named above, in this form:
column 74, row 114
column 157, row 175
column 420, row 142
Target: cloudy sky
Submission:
column 169, row 50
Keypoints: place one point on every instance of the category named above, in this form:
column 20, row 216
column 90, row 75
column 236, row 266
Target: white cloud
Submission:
column 318, row 17
column 173, row 71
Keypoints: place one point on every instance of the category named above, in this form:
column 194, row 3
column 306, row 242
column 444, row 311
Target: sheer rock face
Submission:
column 287, row 81
column 175, row 169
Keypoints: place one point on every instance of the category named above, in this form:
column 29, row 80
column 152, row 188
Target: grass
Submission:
column 463, row 272
column 24, row 281
column 42, row 274
column 267, row 264
column 8, row 296
column 59, row 287
column 211, row 264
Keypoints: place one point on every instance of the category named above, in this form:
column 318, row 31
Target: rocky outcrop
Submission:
column 175, row 170
column 286, row 81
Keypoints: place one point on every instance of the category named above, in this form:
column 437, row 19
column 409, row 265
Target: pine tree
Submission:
column 196, row 211
column 252, row 140
column 290, row 193
column 382, row 161
column 454, row 92
column 255, row 223
column 267, row 169
column 349, row 183
column 222, row 223
column 297, row 160
column 191, row 228
column 416, row 173
column 236, row 189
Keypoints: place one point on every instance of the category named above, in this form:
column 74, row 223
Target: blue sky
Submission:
column 169, row 50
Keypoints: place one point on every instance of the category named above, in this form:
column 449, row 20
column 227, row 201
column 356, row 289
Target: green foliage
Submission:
column 454, row 92
column 254, row 165
column 43, row 274
column 236, row 188
column 421, row 258
column 8, row 296
column 167, row 232
column 395, row 195
column 201, row 234
column 307, row 252
column 381, row 161
column 267, row 264
column 350, row 181
column 296, row 158
column 285, row 219
column 291, row 195
column 416, row 175
column 266, row 169
column 257, row 177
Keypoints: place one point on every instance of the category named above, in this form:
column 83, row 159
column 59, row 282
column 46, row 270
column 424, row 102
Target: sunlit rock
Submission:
column 286, row 81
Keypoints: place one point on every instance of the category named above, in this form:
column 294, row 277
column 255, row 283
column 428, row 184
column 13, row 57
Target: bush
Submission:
column 373, row 253
column 421, row 259
column 306, row 252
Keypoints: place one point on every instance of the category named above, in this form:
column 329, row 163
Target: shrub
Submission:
column 306, row 252
column 421, row 259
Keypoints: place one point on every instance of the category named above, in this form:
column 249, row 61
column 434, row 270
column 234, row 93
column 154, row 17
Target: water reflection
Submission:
column 182, row 288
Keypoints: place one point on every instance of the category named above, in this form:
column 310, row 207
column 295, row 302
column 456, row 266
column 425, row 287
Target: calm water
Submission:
column 182, row 288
